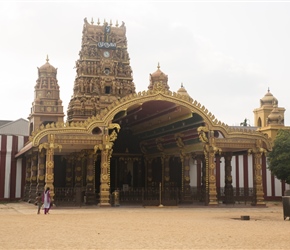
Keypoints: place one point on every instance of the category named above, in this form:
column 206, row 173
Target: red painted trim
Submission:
column 3, row 164
column 14, row 150
column 246, row 171
column 26, row 138
column 23, row 176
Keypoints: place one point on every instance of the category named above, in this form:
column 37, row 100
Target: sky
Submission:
column 227, row 54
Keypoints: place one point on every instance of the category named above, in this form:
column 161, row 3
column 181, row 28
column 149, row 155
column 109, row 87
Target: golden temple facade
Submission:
column 153, row 142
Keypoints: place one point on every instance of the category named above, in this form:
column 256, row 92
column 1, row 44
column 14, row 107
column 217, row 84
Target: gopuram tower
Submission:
column 47, row 105
column 103, row 71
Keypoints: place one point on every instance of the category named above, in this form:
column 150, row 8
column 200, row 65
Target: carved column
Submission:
column 207, row 137
column 203, row 180
column 33, row 177
column 69, row 172
column 28, row 178
column 90, row 188
column 106, row 148
column 186, row 179
column 78, row 171
column 211, row 178
column 40, row 172
column 258, row 185
column 166, row 184
column 105, row 177
column 139, row 172
column 149, row 173
column 162, row 172
column 49, row 173
column 229, row 192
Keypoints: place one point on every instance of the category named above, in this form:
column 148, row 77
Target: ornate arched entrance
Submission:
column 145, row 135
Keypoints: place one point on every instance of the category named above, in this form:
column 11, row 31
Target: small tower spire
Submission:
column 47, row 59
column 158, row 66
column 92, row 22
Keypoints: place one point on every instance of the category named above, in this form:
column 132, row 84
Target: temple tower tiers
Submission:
column 103, row 71
column 269, row 113
column 158, row 80
column 47, row 105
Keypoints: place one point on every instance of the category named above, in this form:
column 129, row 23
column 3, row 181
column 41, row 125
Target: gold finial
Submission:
column 181, row 85
column 268, row 90
column 117, row 24
column 47, row 59
column 158, row 66
column 111, row 22
column 92, row 22
column 98, row 21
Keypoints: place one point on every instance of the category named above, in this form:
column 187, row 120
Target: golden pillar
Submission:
column 105, row 177
column 40, row 172
column 211, row 177
column 257, row 153
column 78, row 170
column 69, row 171
column 49, row 164
column 49, row 174
column 27, row 178
column 33, row 178
column 207, row 137
column 90, row 187
column 106, row 148
column 186, row 178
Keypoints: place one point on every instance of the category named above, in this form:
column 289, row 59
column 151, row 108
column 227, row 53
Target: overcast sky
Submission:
column 226, row 53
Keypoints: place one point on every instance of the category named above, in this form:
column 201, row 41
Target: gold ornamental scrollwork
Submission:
column 50, row 144
column 202, row 133
column 49, row 177
column 41, row 177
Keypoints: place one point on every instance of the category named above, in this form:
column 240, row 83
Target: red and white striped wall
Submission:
column 12, row 171
column 242, row 176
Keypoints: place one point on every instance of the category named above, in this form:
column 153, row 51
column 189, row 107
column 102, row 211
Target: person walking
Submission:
column 46, row 200
column 38, row 202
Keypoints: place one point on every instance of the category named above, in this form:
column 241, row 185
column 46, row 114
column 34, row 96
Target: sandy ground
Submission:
column 134, row 227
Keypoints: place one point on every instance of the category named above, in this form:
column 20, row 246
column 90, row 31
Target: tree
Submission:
column 279, row 157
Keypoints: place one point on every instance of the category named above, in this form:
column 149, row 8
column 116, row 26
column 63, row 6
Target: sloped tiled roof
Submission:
column 17, row 127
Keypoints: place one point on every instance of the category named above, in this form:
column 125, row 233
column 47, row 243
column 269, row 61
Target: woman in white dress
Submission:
column 46, row 200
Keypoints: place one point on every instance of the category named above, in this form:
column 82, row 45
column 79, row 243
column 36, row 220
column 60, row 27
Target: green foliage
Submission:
column 279, row 157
